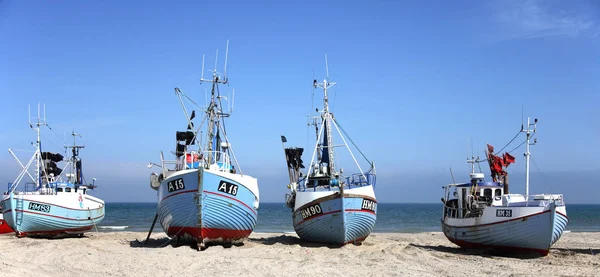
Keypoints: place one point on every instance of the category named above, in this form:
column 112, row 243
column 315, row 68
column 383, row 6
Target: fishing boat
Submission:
column 327, row 205
column 482, row 214
column 54, row 202
column 203, row 196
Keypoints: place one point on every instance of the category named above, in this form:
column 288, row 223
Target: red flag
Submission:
column 508, row 159
column 490, row 149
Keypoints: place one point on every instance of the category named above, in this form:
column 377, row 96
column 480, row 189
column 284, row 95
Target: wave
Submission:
column 113, row 227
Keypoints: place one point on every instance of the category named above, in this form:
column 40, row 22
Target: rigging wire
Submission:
column 344, row 131
column 62, row 139
column 312, row 108
column 512, row 149
column 541, row 174
column 52, row 142
column 509, row 142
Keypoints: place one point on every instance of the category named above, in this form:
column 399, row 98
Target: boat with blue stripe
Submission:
column 482, row 214
column 48, row 206
column 203, row 196
column 328, row 206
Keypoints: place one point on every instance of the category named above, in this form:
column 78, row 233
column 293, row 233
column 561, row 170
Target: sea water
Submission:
column 391, row 217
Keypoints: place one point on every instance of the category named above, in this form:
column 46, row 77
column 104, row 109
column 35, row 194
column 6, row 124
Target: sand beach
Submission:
column 278, row 254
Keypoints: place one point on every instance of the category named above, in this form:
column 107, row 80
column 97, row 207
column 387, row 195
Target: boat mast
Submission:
column 327, row 116
column 214, row 110
column 75, row 153
column 472, row 161
column 528, row 132
column 37, row 126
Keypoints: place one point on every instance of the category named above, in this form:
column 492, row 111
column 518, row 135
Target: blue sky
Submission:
column 416, row 81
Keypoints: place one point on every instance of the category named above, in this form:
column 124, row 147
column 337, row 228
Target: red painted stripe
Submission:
column 74, row 209
column 563, row 215
column 55, row 232
column 319, row 215
column 218, row 194
column 226, row 196
column 55, row 216
column 466, row 244
column 178, row 193
column 209, row 233
column 337, row 211
column 359, row 240
column 361, row 210
column 504, row 221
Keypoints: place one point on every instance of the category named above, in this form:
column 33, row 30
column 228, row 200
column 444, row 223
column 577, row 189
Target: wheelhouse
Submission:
column 63, row 187
column 469, row 199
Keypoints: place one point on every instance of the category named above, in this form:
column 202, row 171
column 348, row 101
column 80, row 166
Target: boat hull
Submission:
column 332, row 218
column 535, row 229
column 4, row 228
column 52, row 215
column 228, row 205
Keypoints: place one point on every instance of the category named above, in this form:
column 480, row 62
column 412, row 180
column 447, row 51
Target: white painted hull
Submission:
column 339, row 220
column 32, row 214
column 528, row 229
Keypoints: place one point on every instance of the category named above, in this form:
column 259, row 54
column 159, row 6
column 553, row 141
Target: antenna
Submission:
column 205, row 97
column 522, row 123
column 225, row 68
column 202, row 76
column 232, row 97
column 216, row 60
column 471, row 142
column 326, row 67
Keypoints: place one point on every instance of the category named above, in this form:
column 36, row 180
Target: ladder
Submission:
column 19, row 210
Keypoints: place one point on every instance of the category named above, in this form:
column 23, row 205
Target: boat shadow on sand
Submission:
column 483, row 252
column 573, row 251
column 165, row 241
column 291, row 240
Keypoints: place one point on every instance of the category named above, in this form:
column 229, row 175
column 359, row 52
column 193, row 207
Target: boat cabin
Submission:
column 469, row 199
column 190, row 159
column 63, row 187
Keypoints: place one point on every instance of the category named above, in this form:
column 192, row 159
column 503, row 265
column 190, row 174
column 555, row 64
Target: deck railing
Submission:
column 197, row 160
column 359, row 180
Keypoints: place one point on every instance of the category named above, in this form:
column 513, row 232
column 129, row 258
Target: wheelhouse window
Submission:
column 67, row 189
column 487, row 192
column 59, row 189
column 498, row 192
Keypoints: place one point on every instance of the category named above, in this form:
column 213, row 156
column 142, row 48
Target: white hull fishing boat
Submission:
column 203, row 195
column 49, row 206
column 483, row 214
column 328, row 206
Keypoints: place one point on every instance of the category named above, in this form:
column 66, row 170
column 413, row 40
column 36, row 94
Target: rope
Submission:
column 586, row 242
column 90, row 212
